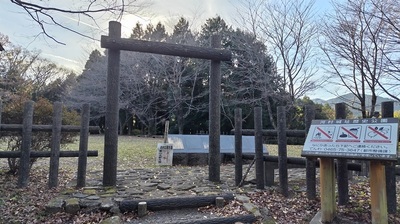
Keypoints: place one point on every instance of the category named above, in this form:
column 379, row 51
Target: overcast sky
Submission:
column 22, row 31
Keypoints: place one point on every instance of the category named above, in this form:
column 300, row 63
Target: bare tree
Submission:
column 354, row 44
column 14, row 65
column 389, row 11
column 50, row 13
column 289, row 31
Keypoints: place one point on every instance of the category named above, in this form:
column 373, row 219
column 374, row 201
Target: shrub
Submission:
column 42, row 115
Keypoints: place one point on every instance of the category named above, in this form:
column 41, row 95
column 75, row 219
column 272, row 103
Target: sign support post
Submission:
column 327, row 183
column 378, row 192
column 373, row 139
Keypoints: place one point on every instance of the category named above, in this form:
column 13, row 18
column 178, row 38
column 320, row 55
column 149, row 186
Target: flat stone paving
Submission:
column 159, row 182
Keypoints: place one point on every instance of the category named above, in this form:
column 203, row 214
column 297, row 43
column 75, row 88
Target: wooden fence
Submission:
column 267, row 164
column 25, row 154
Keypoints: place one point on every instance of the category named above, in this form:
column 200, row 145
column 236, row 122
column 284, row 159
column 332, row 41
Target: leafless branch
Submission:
column 45, row 15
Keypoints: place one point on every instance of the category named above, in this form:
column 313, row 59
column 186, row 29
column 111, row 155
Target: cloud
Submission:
column 61, row 58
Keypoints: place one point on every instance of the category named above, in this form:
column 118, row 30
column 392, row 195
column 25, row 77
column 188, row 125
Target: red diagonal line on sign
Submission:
column 323, row 132
column 350, row 133
column 379, row 133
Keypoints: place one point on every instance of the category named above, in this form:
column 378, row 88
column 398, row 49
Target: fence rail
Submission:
column 25, row 154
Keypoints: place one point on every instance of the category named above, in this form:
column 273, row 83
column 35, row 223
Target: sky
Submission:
column 22, row 31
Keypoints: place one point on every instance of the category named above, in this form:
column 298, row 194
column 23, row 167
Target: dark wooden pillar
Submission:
column 214, row 156
column 112, row 109
column 282, row 151
column 387, row 110
column 342, row 171
column 238, row 147
column 311, row 170
column 24, row 162
column 83, row 146
column 55, row 145
column 259, row 147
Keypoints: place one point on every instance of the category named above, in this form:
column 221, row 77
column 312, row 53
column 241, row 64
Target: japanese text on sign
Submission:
column 371, row 138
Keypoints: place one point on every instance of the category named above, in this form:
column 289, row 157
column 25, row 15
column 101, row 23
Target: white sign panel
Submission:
column 370, row 138
column 164, row 154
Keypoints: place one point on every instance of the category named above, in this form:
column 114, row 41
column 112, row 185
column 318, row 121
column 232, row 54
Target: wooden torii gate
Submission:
column 114, row 43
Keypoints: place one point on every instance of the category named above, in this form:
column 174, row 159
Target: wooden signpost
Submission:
column 165, row 150
column 374, row 139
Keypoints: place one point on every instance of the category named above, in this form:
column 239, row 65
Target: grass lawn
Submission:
column 141, row 151
column 132, row 151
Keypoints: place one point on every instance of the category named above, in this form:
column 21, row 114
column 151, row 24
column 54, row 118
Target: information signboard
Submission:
column 164, row 154
column 369, row 138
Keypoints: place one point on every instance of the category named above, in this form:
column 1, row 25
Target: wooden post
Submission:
column 311, row 170
column 342, row 171
column 142, row 209
column 269, row 170
column 378, row 193
column 282, row 151
column 259, row 148
column 219, row 202
column 24, row 162
column 327, row 184
column 387, row 110
column 214, row 156
column 83, row 146
column 1, row 109
column 166, row 129
column 112, row 110
column 55, row 145
column 238, row 147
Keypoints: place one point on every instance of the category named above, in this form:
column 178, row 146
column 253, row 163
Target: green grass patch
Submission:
column 141, row 151
column 292, row 150
column 132, row 151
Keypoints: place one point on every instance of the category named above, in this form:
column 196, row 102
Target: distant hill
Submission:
column 350, row 99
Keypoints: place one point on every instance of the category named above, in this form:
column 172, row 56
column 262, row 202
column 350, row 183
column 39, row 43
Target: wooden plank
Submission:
column 158, row 204
column 274, row 133
column 379, row 211
column 327, row 177
column 45, row 128
column 40, row 154
column 129, row 44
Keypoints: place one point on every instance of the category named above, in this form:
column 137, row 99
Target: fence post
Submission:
column 342, row 171
column 387, row 110
column 55, row 145
column 24, row 162
column 238, row 146
column 83, row 145
column 259, row 147
column 112, row 110
column 214, row 155
column 282, row 151
column 311, row 172
column 1, row 109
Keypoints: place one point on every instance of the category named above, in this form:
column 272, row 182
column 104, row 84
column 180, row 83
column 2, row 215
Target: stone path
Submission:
column 160, row 182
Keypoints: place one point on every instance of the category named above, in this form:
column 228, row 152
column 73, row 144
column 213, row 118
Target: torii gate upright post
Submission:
column 112, row 110
column 114, row 43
